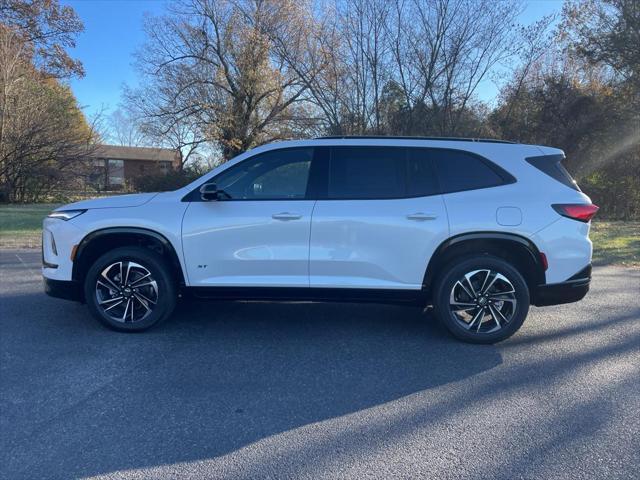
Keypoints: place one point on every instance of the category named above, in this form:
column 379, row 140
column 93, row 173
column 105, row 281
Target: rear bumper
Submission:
column 66, row 289
column 569, row 291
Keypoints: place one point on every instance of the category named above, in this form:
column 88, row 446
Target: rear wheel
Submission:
column 481, row 299
column 130, row 289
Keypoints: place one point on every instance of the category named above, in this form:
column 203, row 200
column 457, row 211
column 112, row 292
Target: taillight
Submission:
column 576, row 211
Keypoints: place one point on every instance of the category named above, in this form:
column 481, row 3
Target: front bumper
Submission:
column 66, row 289
column 569, row 291
column 58, row 240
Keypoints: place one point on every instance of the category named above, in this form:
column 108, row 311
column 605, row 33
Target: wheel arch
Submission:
column 521, row 252
column 98, row 242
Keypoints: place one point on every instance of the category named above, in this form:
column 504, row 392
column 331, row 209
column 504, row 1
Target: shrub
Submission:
column 164, row 182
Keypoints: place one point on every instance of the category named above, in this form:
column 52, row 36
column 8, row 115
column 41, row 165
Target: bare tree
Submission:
column 243, row 72
column 362, row 29
column 315, row 56
column 427, row 58
column 345, row 64
column 536, row 40
column 183, row 136
column 161, row 126
column 456, row 44
column 125, row 129
column 212, row 65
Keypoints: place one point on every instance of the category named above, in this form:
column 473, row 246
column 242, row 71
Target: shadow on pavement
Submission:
column 215, row 378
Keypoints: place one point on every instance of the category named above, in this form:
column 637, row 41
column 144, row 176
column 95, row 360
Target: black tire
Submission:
column 140, row 296
column 480, row 324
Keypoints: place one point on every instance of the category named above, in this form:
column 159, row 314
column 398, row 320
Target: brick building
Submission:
column 114, row 166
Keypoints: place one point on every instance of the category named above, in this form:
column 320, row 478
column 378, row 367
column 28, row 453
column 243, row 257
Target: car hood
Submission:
column 116, row 201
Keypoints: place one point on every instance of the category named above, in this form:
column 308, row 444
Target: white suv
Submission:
column 480, row 229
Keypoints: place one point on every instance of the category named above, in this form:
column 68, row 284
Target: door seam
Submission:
column 187, row 280
column 313, row 209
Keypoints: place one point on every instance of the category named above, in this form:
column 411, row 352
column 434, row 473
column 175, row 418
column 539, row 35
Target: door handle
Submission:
column 286, row 216
column 419, row 216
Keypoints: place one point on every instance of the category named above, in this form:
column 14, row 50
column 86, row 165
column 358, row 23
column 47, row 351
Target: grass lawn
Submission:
column 21, row 225
column 615, row 243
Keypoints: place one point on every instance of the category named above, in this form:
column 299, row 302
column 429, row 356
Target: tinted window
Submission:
column 552, row 166
column 276, row 175
column 367, row 172
column 460, row 171
column 421, row 179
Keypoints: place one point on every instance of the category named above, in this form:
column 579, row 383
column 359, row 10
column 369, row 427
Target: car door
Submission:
column 380, row 221
column 257, row 233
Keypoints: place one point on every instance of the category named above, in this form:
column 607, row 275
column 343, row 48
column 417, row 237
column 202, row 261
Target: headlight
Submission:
column 66, row 214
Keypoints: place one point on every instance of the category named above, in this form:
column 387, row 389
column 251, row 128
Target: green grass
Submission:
column 21, row 225
column 615, row 243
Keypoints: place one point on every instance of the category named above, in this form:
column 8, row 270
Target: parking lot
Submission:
column 258, row 390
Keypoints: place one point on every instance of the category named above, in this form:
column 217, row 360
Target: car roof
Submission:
column 480, row 146
column 401, row 137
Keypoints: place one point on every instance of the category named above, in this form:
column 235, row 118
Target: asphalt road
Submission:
column 257, row 390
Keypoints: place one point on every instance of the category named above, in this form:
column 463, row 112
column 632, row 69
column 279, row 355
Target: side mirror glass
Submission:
column 209, row 192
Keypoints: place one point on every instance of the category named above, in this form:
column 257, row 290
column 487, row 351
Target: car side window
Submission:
column 459, row 171
column 366, row 173
column 421, row 179
column 275, row 175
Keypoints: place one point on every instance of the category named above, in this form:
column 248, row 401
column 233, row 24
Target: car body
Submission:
column 344, row 218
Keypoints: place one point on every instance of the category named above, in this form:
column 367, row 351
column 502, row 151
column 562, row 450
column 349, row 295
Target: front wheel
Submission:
column 130, row 289
column 481, row 299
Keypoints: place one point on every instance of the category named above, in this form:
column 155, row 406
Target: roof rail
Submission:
column 393, row 137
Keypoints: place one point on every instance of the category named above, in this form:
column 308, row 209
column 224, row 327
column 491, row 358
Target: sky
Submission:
column 114, row 31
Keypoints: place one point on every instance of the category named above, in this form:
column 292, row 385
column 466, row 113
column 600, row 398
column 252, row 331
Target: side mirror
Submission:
column 209, row 192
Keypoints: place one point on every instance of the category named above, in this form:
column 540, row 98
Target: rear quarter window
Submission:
column 552, row 166
column 459, row 171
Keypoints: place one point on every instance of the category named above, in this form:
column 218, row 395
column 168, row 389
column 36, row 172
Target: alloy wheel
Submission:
column 126, row 292
column 483, row 301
